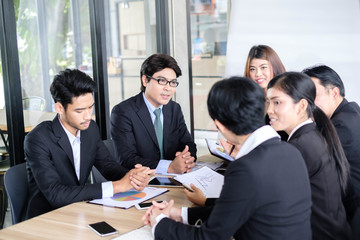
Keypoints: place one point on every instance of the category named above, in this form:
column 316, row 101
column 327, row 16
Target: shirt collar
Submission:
column 71, row 137
column 299, row 126
column 259, row 136
column 150, row 107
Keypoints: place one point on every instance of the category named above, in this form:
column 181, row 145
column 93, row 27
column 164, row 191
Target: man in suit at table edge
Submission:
column 330, row 97
column 140, row 135
column 61, row 153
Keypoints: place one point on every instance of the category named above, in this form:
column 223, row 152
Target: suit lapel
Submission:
column 63, row 139
column 144, row 115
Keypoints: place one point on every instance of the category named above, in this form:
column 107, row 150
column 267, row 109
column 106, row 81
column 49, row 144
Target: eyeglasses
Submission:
column 163, row 81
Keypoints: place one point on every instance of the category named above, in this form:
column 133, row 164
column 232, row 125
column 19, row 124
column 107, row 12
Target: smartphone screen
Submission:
column 102, row 228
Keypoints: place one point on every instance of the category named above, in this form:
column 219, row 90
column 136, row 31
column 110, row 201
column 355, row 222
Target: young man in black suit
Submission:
column 61, row 153
column 330, row 97
column 266, row 192
column 139, row 136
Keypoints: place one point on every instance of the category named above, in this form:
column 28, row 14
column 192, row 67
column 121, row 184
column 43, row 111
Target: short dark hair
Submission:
column 238, row 103
column 71, row 83
column 327, row 77
column 156, row 63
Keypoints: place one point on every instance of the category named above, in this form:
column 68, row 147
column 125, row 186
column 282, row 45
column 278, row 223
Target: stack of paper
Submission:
column 209, row 181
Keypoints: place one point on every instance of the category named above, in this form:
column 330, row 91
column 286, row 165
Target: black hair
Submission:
column 71, row 83
column 156, row 63
column 327, row 77
column 238, row 103
column 300, row 86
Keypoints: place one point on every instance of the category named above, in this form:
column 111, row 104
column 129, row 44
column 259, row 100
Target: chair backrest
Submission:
column 110, row 146
column 16, row 186
column 34, row 103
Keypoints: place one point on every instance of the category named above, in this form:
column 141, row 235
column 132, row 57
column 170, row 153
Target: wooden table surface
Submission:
column 71, row 221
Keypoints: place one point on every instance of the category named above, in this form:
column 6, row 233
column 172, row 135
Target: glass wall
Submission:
column 209, row 23
column 131, row 37
column 51, row 36
column 4, row 156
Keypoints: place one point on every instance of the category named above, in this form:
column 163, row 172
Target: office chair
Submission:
column 34, row 103
column 16, row 186
column 96, row 175
column 110, row 146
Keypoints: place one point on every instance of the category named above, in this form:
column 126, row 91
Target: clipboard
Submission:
column 218, row 151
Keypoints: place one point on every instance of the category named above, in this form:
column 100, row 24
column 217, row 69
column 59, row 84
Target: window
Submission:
column 131, row 38
column 52, row 36
column 208, row 21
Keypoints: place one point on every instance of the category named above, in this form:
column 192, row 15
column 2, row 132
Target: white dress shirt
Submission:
column 107, row 187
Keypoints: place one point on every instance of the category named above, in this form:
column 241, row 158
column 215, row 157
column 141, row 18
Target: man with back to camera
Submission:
column 149, row 128
column 61, row 153
column 266, row 191
column 330, row 97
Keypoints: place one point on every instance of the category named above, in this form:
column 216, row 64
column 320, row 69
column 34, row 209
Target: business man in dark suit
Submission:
column 140, row 136
column 266, row 192
column 61, row 153
column 346, row 118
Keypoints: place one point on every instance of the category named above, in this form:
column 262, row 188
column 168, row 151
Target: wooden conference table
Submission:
column 71, row 221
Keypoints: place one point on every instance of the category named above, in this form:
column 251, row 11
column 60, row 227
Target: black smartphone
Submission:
column 146, row 205
column 103, row 228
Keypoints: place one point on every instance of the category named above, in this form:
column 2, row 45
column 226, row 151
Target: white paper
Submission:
column 143, row 233
column 130, row 198
column 209, row 181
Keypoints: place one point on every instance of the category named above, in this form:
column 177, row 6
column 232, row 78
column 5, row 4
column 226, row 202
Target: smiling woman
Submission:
column 262, row 65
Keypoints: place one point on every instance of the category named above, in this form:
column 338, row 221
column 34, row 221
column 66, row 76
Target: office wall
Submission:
column 302, row 32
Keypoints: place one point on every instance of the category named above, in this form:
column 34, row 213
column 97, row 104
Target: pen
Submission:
column 232, row 149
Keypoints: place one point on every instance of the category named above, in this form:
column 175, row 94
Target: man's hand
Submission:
column 196, row 196
column 156, row 209
column 182, row 163
column 137, row 178
column 230, row 148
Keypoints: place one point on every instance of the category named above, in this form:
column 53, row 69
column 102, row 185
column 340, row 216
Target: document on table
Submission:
column 130, row 198
column 143, row 233
column 209, row 181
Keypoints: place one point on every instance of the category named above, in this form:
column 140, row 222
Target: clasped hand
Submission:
column 137, row 178
column 156, row 209
column 183, row 162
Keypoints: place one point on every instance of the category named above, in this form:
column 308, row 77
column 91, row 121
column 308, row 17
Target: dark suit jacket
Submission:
column 134, row 135
column 51, row 174
column 266, row 195
column 328, row 218
column 346, row 120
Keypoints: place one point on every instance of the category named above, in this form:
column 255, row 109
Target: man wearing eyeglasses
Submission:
column 149, row 128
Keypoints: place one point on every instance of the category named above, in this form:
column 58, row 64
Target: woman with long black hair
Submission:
column 291, row 108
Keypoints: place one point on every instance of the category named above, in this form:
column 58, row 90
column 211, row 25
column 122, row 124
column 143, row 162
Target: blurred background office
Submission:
column 110, row 39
